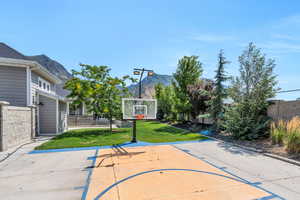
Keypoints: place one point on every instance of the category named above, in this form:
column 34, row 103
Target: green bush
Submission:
column 242, row 123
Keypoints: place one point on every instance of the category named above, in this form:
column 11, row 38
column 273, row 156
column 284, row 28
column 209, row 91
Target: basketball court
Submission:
column 162, row 173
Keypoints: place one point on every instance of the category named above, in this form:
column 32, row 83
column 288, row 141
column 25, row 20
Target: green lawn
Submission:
column 147, row 131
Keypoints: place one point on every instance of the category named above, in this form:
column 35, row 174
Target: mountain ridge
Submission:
column 148, row 84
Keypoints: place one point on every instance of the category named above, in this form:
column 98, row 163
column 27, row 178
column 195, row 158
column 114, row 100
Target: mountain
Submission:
column 148, row 84
column 55, row 68
column 58, row 69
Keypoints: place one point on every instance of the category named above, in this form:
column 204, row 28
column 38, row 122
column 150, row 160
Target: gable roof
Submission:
column 8, row 52
column 12, row 57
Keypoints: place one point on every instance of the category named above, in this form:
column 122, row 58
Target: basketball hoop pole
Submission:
column 140, row 72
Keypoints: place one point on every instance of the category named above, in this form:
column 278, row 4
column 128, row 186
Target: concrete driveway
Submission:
column 274, row 175
column 65, row 175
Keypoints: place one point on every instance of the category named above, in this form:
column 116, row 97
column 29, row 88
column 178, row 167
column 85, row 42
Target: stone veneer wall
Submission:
column 17, row 125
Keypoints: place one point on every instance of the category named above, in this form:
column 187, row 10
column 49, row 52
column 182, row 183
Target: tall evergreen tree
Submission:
column 188, row 71
column 219, row 92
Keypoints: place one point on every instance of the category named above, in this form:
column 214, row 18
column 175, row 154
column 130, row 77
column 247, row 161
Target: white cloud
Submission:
column 280, row 47
column 288, row 24
column 285, row 37
column 290, row 20
column 212, row 38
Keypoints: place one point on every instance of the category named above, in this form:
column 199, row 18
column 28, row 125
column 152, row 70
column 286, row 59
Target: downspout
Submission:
column 28, row 87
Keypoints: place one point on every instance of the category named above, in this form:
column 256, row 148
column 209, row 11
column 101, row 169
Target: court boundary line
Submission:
column 272, row 195
column 127, row 144
column 175, row 169
column 90, row 172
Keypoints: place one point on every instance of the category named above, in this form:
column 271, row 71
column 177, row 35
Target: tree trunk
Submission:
column 110, row 124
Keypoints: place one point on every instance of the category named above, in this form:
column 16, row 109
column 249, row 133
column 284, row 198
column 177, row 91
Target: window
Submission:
column 44, row 85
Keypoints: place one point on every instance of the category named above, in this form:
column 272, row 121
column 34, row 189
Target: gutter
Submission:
column 36, row 66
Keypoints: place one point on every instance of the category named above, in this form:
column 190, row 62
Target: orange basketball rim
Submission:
column 140, row 116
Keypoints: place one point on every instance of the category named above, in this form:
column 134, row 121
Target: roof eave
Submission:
column 46, row 73
column 32, row 64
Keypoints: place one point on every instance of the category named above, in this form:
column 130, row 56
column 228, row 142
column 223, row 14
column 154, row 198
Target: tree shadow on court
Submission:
column 236, row 150
column 117, row 153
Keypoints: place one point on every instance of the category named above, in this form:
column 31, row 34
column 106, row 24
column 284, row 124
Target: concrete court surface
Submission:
column 47, row 176
column 274, row 175
column 163, row 173
column 65, row 175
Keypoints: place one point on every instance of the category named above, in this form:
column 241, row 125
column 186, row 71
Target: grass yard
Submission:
column 147, row 131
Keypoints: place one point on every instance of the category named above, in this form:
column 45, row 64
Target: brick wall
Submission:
column 17, row 125
column 284, row 110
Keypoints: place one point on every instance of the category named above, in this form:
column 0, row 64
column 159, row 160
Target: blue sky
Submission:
column 155, row 34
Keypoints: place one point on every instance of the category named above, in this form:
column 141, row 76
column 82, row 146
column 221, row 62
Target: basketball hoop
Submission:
column 139, row 116
column 135, row 108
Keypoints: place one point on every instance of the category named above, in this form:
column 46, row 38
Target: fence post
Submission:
column 2, row 104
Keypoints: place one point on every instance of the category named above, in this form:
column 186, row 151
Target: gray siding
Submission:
column 47, row 115
column 13, row 85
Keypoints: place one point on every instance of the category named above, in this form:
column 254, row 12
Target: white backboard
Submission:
column 131, row 107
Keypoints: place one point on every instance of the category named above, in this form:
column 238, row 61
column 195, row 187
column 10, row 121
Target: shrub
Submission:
column 293, row 142
column 293, row 135
column 244, row 123
column 278, row 132
column 287, row 133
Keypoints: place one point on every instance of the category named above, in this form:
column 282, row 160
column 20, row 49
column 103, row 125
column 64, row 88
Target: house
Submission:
column 80, row 110
column 25, row 82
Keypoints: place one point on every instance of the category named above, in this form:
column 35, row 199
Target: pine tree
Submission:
column 219, row 93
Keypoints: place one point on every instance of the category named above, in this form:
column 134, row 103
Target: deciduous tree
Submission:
column 247, row 118
column 100, row 92
column 199, row 95
column 188, row 72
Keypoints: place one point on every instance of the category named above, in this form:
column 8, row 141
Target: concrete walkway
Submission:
column 276, row 176
column 50, row 176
